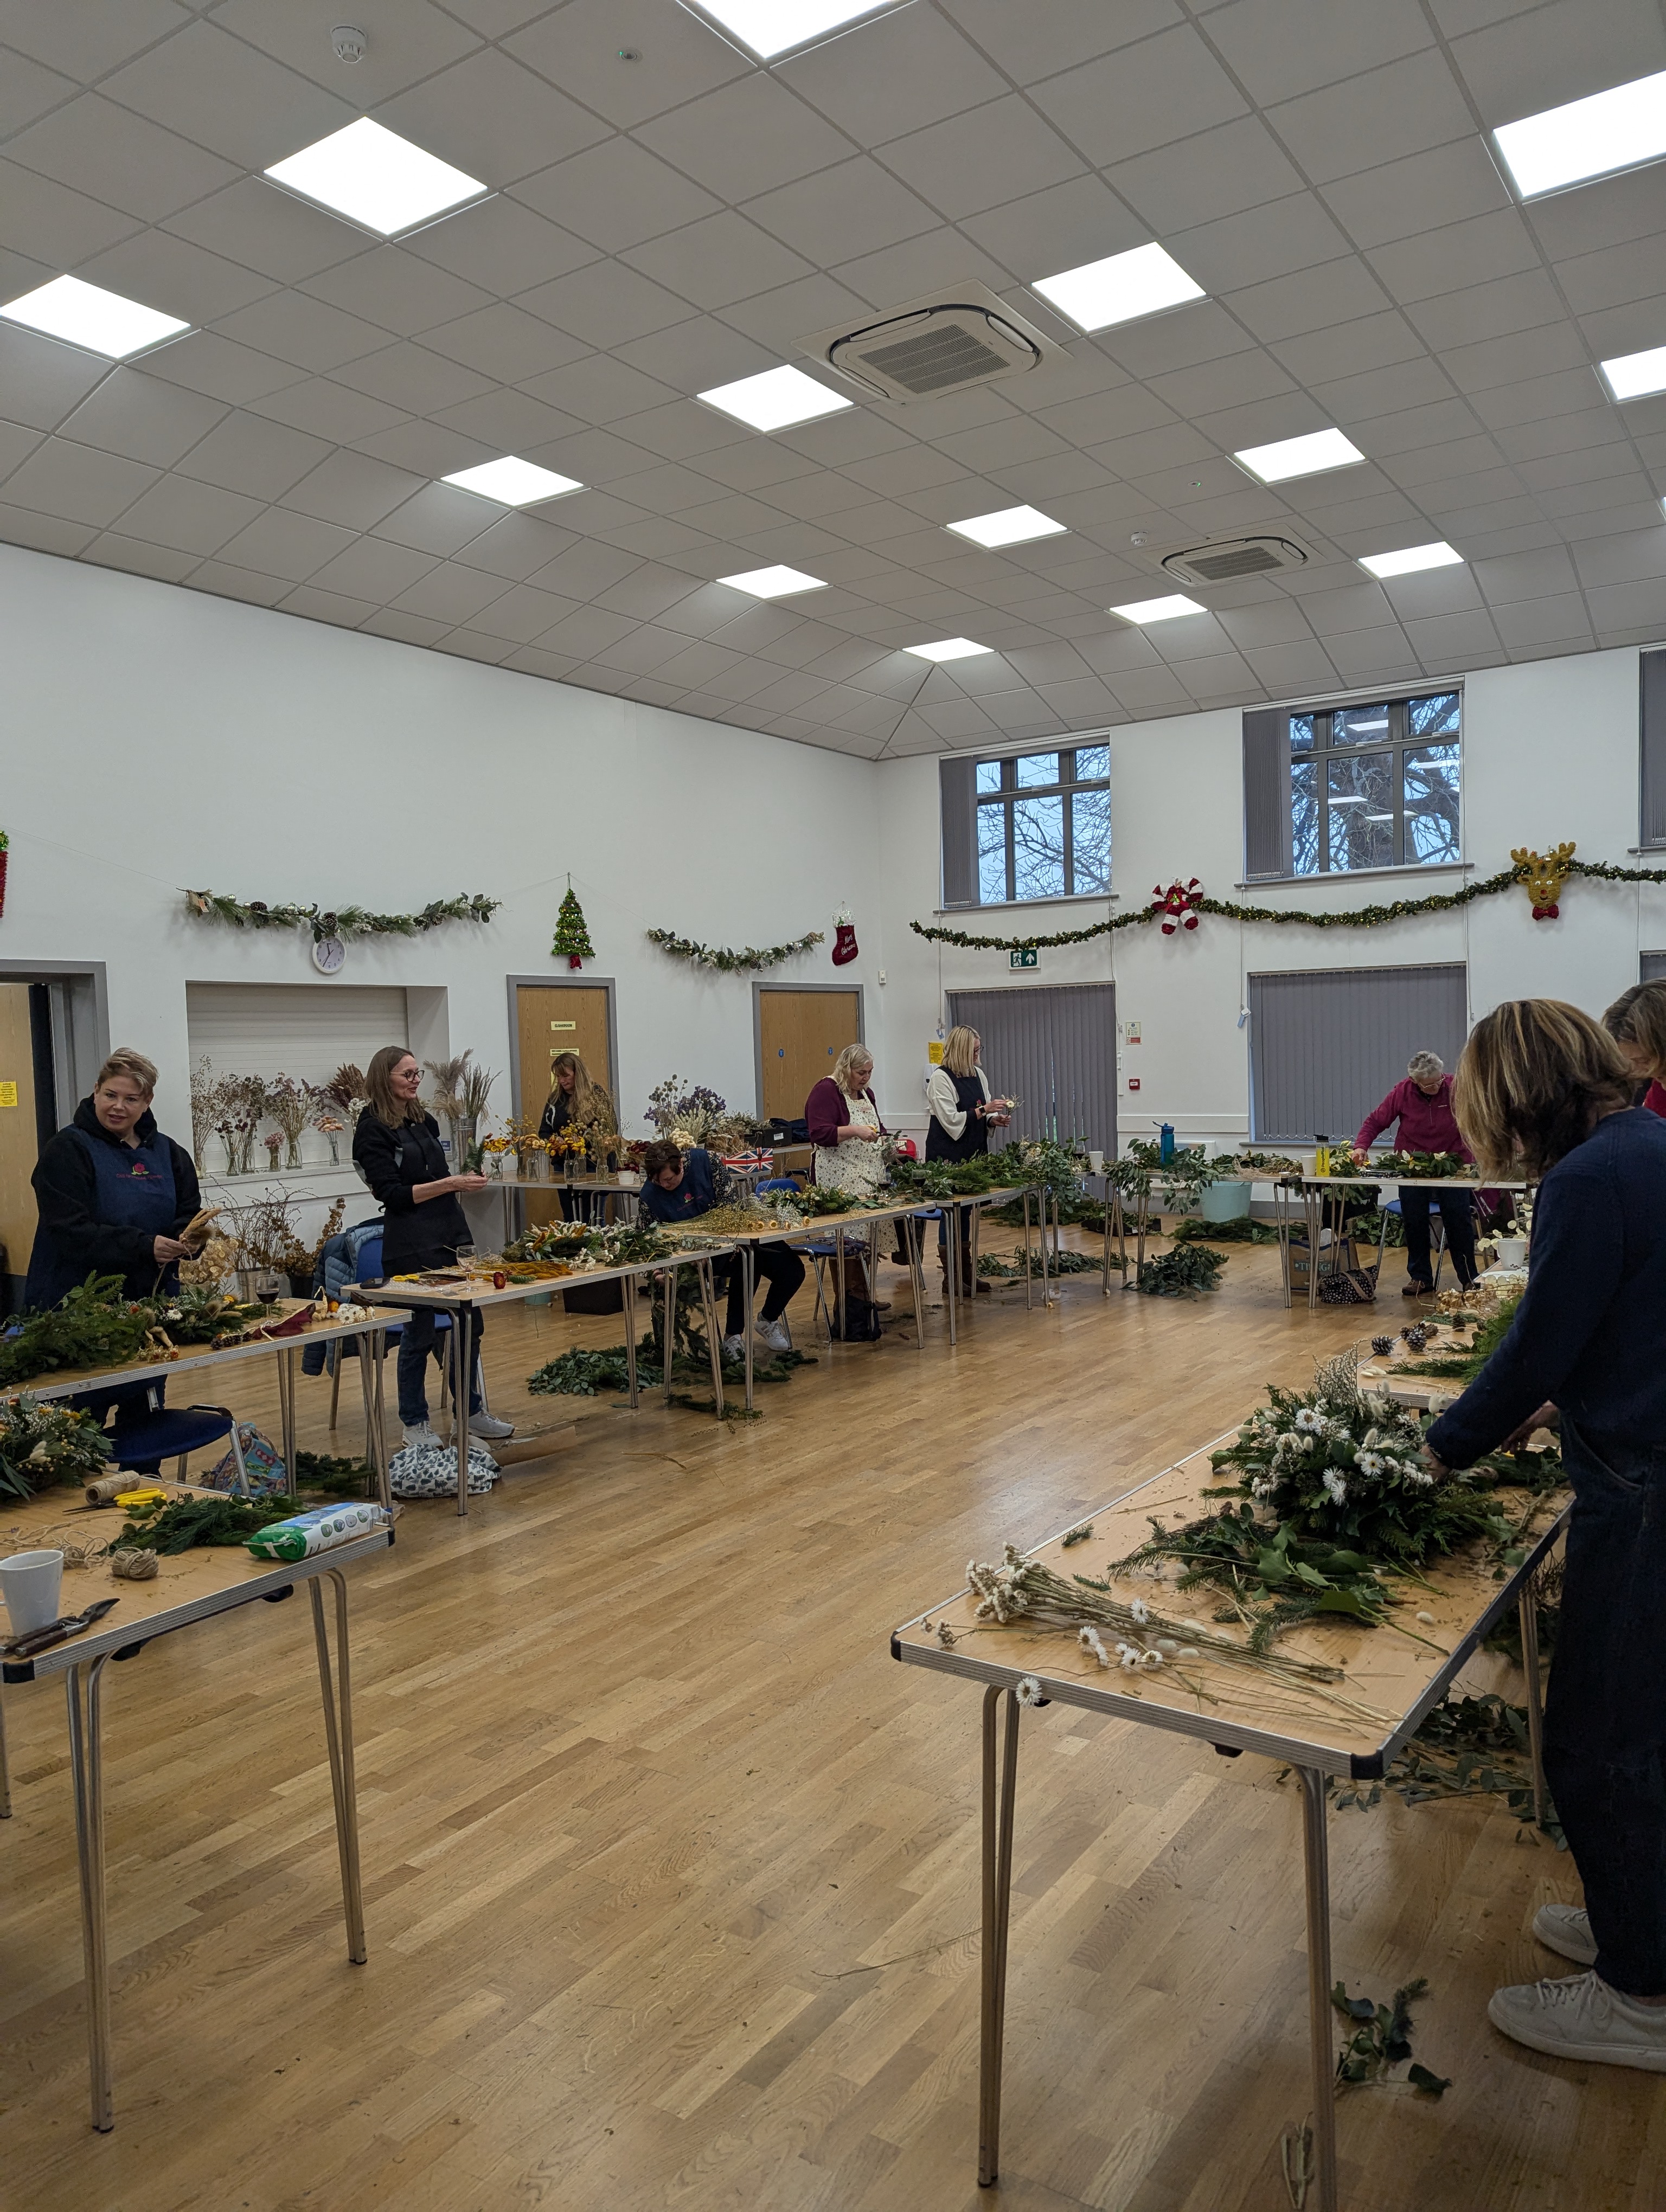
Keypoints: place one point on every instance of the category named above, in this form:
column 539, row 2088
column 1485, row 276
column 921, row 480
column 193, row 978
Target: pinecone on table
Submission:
column 1381, row 1345
column 1416, row 1336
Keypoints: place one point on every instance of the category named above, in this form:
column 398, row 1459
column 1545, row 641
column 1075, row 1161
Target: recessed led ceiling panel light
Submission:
column 770, row 28
column 774, row 399
column 1008, row 525
column 376, row 178
column 1621, row 129
column 1412, row 559
column 1299, row 457
column 513, row 482
column 1628, row 375
column 773, row 583
column 86, row 315
column 1150, row 610
column 946, row 648
column 1120, row 288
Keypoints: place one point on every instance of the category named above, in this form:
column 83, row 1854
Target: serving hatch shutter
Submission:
column 291, row 1029
column 1652, row 721
column 1327, row 1044
column 1266, row 793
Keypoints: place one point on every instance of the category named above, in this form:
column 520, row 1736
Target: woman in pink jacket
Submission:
column 1422, row 1105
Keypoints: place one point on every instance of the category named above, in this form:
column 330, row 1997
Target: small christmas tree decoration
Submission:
column 572, row 934
column 844, row 938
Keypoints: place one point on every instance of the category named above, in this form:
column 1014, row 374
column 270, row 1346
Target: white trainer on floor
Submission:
column 488, row 1424
column 1583, row 2018
column 734, row 1347
column 774, row 1334
column 420, row 1433
column 1566, row 1929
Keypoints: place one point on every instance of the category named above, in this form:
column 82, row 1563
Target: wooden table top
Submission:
column 477, row 1289
column 192, row 1586
column 64, row 1381
column 819, row 1224
column 1352, row 1727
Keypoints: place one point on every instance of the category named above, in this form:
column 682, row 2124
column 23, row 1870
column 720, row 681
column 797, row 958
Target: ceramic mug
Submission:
column 32, row 1584
column 1096, row 1164
column 1513, row 1250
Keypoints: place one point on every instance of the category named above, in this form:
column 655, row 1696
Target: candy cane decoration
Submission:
column 1178, row 904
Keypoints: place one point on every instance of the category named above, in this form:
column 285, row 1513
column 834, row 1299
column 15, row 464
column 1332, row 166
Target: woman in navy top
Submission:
column 1542, row 1091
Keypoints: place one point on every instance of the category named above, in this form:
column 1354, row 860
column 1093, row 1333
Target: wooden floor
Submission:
column 671, row 1872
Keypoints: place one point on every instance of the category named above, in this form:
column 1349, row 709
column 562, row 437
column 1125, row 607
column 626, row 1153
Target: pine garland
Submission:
column 1362, row 917
column 341, row 921
column 730, row 959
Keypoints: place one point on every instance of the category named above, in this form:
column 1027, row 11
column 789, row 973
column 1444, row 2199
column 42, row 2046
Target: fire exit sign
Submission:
column 1025, row 956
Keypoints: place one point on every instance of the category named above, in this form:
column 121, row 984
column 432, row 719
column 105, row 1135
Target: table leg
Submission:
column 838, row 1261
column 1528, row 1611
column 630, row 1336
column 951, row 1267
column 1313, row 1207
column 1026, row 1249
column 338, row 1735
column 287, row 1356
column 998, row 1802
column 1320, row 2037
column 746, row 1260
column 5, row 1771
column 87, row 1779
column 371, row 1350
column 702, row 1269
column 462, row 1371
column 911, row 1230
column 667, row 1349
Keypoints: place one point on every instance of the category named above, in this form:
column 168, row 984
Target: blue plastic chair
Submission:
column 368, row 1269
column 174, row 1433
column 1437, row 1234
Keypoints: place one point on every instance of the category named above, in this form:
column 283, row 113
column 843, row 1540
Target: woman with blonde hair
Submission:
column 1543, row 1092
column 396, row 1148
column 1637, row 1022
column 845, row 1130
column 577, row 1106
column 963, row 1113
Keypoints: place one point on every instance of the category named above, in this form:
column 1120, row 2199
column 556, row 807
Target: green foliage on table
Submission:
column 1463, row 1366
column 1422, row 1167
column 217, row 1520
column 623, row 1245
column 1184, row 1177
column 41, row 1445
column 1185, row 1272
column 817, row 1199
column 93, row 1326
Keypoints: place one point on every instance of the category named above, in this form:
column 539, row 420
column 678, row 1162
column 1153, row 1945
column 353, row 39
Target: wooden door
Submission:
column 19, row 1145
column 800, row 1035
column 550, row 1019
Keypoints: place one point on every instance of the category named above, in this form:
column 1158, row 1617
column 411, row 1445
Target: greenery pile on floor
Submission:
column 334, row 1478
column 1185, row 1272
column 1062, row 1262
column 1368, row 1227
column 1466, row 1747
column 1379, row 2038
column 1242, row 1231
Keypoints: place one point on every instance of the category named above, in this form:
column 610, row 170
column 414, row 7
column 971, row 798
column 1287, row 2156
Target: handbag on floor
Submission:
column 267, row 1476
column 1348, row 1286
column 430, row 1471
column 861, row 1322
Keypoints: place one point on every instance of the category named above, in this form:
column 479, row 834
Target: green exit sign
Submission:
column 1025, row 956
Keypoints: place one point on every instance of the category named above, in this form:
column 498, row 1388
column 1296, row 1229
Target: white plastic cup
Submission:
column 1096, row 1162
column 32, row 1584
column 629, row 1179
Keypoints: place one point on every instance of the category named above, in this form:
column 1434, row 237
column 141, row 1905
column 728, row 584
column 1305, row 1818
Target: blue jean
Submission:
column 419, row 1339
column 1605, row 1712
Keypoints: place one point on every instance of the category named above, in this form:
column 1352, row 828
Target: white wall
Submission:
column 158, row 737
column 1550, row 752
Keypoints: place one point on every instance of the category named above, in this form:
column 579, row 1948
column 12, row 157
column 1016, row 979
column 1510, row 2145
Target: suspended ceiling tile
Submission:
column 1369, row 341
column 1375, row 118
column 259, row 228
column 438, row 519
column 372, row 570
column 606, row 304
column 139, row 415
column 279, row 543
column 504, row 343
column 1362, row 655
column 851, row 209
column 1061, row 228
column 1419, row 192
column 1312, row 300
column 316, row 605
column 229, row 581
column 1290, row 669
column 247, row 453
column 407, row 629
column 42, row 381
column 119, row 158
column 175, row 276
column 329, row 411
column 578, row 47
column 52, row 223
column 516, row 548
column 352, row 490
column 304, row 333
column 45, row 533
column 412, row 377
column 140, row 557
column 405, row 40
column 501, row 247
column 77, row 483
column 903, row 70
column 85, row 42
column 719, row 261
column 749, row 137
column 220, row 367
column 449, row 594
column 471, row 645
column 1281, row 47
column 16, row 443
column 508, row 422
column 494, row 119
column 395, row 288
column 984, row 159
column 1039, row 42
column 28, row 90
column 615, row 194
column 1559, row 624
column 220, row 93
column 523, row 614
column 190, row 518
column 1140, row 98
column 1557, row 53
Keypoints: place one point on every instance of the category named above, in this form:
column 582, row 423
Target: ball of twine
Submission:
column 135, row 1565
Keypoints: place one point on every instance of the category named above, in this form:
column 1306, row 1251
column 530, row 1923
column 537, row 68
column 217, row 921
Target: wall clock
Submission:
column 328, row 954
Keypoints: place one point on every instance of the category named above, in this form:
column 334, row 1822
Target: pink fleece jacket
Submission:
column 1427, row 1125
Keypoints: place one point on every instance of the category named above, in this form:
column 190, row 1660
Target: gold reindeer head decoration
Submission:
column 1543, row 874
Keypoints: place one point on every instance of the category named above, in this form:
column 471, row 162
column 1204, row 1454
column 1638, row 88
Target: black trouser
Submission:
column 418, row 1338
column 1605, row 1717
column 783, row 1271
column 1457, row 1213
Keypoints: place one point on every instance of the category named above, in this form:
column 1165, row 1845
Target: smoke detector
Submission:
column 948, row 341
column 1229, row 559
column 348, row 42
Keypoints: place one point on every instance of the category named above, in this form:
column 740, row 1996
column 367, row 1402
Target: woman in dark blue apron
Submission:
column 962, row 1116
column 113, row 1195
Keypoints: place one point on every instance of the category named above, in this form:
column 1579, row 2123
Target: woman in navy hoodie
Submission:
column 1422, row 1105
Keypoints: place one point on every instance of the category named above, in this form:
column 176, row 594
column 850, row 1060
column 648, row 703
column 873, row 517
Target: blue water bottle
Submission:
column 1165, row 1142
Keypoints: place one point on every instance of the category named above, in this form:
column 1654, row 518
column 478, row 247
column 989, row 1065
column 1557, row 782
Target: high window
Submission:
column 1027, row 826
column 1333, row 790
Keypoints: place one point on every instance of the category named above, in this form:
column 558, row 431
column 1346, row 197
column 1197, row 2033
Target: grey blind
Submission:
column 1054, row 1049
column 1651, row 722
column 1326, row 1045
column 959, row 790
column 1652, row 967
column 292, row 1028
column 1266, row 793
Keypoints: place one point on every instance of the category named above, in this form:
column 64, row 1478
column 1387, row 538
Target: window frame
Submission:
column 1004, row 798
column 1270, row 782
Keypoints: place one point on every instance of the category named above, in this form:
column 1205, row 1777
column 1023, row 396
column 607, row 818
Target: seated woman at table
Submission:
column 1637, row 1022
column 679, row 1186
column 846, row 1134
column 396, row 1148
column 1543, row 1092
column 963, row 1113
column 1422, row 1105
column 113, row 1196
column 578, row 1106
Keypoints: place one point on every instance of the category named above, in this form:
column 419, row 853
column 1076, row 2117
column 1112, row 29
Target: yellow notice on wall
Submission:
column 8, row 1094
column 934, row 1052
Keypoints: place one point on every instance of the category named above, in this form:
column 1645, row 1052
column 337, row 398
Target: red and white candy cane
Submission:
column 1178, row 904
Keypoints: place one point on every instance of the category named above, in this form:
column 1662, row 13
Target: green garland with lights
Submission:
column 341, row 921
column 1362, row 917
column 730, row 959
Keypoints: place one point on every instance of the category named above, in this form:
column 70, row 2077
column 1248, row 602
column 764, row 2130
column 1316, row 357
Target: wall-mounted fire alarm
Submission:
column 1134, row 1083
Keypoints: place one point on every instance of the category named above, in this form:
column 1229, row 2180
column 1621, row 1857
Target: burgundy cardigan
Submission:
column 827, row 1109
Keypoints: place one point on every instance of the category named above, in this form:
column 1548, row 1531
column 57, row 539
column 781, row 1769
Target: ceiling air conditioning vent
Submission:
column 1238, row 557
column 927, row 348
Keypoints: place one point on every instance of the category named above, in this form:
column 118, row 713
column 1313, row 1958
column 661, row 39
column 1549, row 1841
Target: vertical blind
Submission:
column 1053, row 1048
column 1267, row 838
column 304, row 1029
column 1651, row 748
column 1326, row 1044
column 958, row 780
column 1652, row 967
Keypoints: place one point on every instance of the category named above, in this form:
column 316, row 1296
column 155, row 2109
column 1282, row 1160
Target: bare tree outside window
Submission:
column 1044, row 825
column 1376, row 786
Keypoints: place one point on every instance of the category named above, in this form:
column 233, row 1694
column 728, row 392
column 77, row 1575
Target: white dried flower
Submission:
column 1371, row 1464
column 945, row 1634
column 1187, row 1651
column 1140, row 1611
column 1309, row 1422
column 1029, row 1691
column 1428, row 1618
column 1335, row 1486
column 1151, row 1659
column 1088, row 1638
column 1127, row 1655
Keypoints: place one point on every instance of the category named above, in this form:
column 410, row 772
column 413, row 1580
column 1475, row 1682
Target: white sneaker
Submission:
column 1583, row 2018
column 420, row 1433
column 1565, row 1928
column 734, row 1347
column 488, row 1424
column 774, row 1334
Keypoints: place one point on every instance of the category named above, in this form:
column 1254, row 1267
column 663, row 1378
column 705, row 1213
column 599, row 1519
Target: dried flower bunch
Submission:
column 686, row 1115
column 41, row 1445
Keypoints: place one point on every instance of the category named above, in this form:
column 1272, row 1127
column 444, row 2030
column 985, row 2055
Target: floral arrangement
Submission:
column 1427, row 1167
column 622, row 1245
column 41, row 1445
column 686, row 1116
column 289, row 1103
column 1185, row 1176
column 729, row 959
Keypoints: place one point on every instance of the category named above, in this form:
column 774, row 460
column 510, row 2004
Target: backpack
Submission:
column 861, row 1322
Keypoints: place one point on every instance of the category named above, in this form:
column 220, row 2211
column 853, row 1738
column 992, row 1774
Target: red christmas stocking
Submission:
column 844, row 943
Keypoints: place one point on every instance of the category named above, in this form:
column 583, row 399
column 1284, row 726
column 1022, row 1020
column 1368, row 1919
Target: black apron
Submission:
column 429, row 1235
column 974, row 1138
